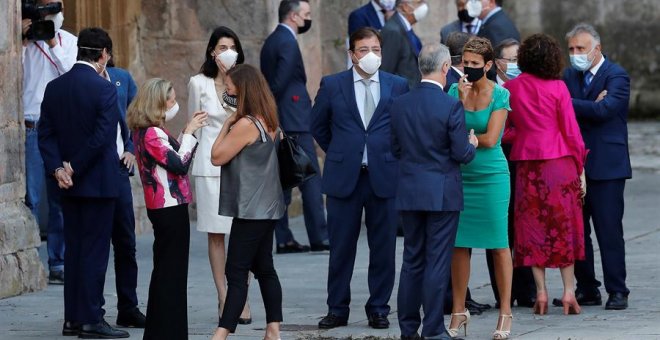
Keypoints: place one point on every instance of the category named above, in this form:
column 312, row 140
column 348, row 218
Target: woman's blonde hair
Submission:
column 149, row 105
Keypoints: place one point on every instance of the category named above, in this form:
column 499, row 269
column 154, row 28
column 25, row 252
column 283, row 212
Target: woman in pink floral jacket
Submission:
column 163, row 164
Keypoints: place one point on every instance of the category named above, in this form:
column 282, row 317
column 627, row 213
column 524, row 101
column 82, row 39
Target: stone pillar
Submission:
column 21, row 270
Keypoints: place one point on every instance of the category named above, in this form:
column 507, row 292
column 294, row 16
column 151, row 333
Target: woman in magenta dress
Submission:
column 550, row 154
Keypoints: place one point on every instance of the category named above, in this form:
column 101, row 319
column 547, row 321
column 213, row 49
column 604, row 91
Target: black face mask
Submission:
column 305, row 27
column 474, row 74
column 464, row 16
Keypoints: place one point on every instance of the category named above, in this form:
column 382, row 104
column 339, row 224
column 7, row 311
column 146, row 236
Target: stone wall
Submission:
column 629, row 32
column 20, row 268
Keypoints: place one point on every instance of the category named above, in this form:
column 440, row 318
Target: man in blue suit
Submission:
column 373, row 14
column 78, row 141
column 282, row 65
column 351, row 123
column 123, row 230
column 430, row 140
column 601, row 91
column 465, row 24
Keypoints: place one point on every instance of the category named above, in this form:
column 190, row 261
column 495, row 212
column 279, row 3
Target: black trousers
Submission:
column 250, row 249
column 87, row 229
column 167, row 308
column 123, row 244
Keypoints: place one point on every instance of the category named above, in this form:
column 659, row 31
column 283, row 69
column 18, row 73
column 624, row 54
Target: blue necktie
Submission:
column 417, row 44
column 588, row 76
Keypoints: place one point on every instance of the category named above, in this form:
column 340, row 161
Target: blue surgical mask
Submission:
column 581, row 62
column 512, row 70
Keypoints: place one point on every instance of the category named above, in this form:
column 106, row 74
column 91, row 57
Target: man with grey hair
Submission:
column 431, row 142
column 601, row 91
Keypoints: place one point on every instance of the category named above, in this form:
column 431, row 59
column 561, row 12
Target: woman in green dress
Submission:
column 486, row 190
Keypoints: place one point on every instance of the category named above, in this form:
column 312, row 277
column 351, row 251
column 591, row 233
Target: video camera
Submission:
column 40, row 29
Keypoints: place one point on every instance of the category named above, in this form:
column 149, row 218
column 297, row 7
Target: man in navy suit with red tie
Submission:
column 351, row 123
column 601, row 91
column 78, row 140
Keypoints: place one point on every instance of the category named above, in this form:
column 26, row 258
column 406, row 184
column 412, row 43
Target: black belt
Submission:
column 30, row 124
column 364, row 168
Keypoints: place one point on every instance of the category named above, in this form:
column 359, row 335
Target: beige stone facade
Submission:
column 20, row 268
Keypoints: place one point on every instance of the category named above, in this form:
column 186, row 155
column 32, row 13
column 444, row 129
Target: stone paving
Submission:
column 303, row 277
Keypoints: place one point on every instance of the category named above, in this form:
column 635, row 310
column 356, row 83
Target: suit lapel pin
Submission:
column 118, row 83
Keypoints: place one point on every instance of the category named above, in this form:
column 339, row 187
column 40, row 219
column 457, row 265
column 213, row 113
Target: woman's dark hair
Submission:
column 210, row 68
column 91, row 42
column 540, row 55
column 253, row 95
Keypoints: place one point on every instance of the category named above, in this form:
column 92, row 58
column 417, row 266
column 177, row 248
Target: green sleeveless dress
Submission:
column 486, row 186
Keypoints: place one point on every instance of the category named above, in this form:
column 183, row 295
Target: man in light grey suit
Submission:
column 400, row 43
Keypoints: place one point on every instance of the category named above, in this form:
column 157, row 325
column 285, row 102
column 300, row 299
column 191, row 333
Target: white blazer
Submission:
column 203, row 97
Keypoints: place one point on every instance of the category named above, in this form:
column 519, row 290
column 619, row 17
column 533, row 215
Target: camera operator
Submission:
column 44, row 61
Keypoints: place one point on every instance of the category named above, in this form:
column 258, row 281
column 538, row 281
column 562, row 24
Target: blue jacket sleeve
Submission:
column 48, row 145
column 356, row 20
column 131, row 92
column 104, row 132
column 322, row 117
column 461, row 150
column 616, row 100
column 287, row 62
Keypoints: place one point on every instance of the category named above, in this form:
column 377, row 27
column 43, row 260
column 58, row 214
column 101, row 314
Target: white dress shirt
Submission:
column 359, row 88
column 41, row 64
column 595, row 69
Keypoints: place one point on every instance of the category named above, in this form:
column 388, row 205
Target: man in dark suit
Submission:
column 495, row 24
column 465, row 23
column 455, row 43
column 430, row 140
column 78, row 142
column 400, row 43
column 351, row 123
column 601, row 91
column 373, row 14
column 282, row 65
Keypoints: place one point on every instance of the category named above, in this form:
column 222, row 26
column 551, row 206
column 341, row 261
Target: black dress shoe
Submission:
column 101, row 330
column 583, row 299
column 332, row 320
column 319, row 247
column 482, row 306
column 472, row 308
column 411, row 337
column 379, row 321
column 132, row 318
column 526, row 302
column 56, row 277
column 292, row 247
column 617, row 301
column 244, row 321
column 70, row 328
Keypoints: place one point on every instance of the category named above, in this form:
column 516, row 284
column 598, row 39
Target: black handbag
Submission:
column 295, row 165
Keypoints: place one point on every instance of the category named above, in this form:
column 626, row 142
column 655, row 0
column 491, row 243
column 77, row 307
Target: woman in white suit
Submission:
column 207, row 92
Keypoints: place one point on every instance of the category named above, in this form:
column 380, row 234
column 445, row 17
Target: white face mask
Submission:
column 387, row 5
column 581, row 62
column 227, row 58
column 369, row 63
column 171, row 113
column 474, row 8
column 57, row 20
column 421, row 12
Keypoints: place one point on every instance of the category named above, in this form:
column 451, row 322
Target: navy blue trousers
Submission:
column 344, row 224
column 317, row 229
column 428, row 246
column 123, row 244
column 604, row 207
column 87, row 230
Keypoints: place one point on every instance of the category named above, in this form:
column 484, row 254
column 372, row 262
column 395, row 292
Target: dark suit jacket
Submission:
column 339, row 131
column 454, row 26
column 430, row 139
column 497, row 28
column 79, row 116
column 364, row 16
column 282, row 65
column 398, row 52
column 452, row 78
column 603, row 125
column 126, row 90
